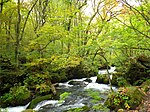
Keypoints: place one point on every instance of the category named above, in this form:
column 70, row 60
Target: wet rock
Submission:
column 88, row 80
column 79, row 83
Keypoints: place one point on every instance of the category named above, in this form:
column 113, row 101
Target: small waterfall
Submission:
column 93, row 79
column 46, row 102
column 111, row 70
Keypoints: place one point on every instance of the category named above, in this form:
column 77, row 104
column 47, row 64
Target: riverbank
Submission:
column 145, row 105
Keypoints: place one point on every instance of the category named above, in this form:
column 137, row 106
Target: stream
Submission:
column 79, row 97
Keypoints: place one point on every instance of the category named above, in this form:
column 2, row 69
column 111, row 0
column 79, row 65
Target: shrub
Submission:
column 122, row 82
column 125, row 98
column 16, row 95
column 43, row 88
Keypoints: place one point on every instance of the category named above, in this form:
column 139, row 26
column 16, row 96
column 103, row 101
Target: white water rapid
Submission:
column 15, row 109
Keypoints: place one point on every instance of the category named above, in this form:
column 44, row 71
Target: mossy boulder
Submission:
column 138, row 70
column 79, row 71
column 38, row 99
column 103, row 78
column 29, row 110
column 125, row 98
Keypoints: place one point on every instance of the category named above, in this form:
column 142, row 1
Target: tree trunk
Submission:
column 17, row 34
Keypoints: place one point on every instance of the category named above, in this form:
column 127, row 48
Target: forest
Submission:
column 47, row 42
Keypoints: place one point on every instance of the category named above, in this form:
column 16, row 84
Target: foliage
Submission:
column 16, row 95
column 95, row 95
column 100, row 107
column 122, row 82
column 53, row 41
column 3, row 110
column 35, row 79
column 125, row 98
column 63, row 96
column 43, row 88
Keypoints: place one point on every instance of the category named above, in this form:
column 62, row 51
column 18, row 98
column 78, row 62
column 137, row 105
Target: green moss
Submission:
column 103, row 78
column 35, row 101
column 29, row 110
column 82, row 109
column 146, row 85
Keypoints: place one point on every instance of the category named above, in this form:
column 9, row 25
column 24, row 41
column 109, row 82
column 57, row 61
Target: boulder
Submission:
column 138, row 70
column 38, row 99
column 88, row 80
column 103, row 78
column 80, row 71
column 78, row 83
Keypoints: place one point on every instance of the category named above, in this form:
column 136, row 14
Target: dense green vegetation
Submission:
column 49, row 41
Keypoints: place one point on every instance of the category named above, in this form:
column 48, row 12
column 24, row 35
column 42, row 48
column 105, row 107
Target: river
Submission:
column 79, row 96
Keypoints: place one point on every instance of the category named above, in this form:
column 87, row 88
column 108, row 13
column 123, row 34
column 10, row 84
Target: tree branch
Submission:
column 27, row 19
column 142, row 14
column 132, row 27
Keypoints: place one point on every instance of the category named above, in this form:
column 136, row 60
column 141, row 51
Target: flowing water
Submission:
column 79, row 96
